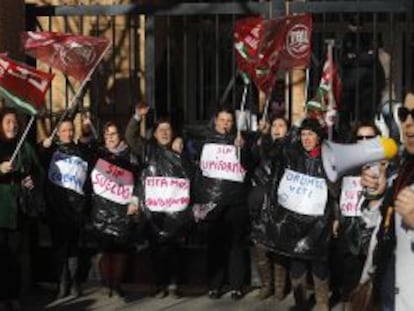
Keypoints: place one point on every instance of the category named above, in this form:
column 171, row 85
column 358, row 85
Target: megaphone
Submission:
column 337, row 158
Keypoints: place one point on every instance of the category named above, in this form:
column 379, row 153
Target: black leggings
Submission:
column 9, row 265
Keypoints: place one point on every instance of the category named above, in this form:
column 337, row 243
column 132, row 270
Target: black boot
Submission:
column 73, row 268
column 63, row 284
column 299, row 293
column 264, row 267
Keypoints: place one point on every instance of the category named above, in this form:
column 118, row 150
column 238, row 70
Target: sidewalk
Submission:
column 95, row 299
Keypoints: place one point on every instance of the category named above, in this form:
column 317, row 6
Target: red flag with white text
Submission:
column 264, row 46
column 23, row 85
column 74, row 55
column 297, row 33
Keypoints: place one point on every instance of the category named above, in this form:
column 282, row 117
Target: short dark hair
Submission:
column 225, row 109
column 314, row 126
column 355, row 128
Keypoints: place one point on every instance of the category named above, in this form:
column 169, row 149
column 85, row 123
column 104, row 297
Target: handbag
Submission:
column 32, row 203
column 362, row 298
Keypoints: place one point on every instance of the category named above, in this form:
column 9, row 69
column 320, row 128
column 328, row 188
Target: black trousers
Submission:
column 9, row 265
column 299, row 267
column 167, row 263
column 226, row 237
column 67, row 253
column 352, row 269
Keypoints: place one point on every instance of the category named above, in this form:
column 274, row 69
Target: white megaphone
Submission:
column 339, row 158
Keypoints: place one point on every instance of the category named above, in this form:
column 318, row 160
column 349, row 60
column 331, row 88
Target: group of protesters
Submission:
column 269, row 188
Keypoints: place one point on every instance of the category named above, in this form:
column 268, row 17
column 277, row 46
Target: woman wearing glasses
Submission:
column 395, row 249
column 113, row 179
column 356, row 224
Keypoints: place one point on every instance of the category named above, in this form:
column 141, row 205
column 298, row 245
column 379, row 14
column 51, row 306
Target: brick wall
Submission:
column 12, row 22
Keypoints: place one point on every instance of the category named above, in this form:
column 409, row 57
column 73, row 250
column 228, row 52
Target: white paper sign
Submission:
column 220, row 161
column 350, row 195
column 68, row 171
column 302, row 194
column 167, row 194
column 112, row 182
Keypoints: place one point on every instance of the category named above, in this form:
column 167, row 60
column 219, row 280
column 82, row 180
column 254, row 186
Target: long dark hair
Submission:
column 3, row 113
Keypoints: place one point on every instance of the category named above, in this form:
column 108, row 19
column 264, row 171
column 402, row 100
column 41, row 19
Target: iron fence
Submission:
column 189, row 57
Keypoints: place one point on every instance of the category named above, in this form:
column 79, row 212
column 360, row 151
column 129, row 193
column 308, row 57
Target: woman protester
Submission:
column 268, row 150
column 306, row 214
column 357, row 222
column 68, row 194
column 24, row 174
column 164, row 198
column 113, row 179
column 220, row 199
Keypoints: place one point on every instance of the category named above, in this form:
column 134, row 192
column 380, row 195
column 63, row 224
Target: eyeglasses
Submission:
column 110, row 134
column 403, row 113
column 361, row 137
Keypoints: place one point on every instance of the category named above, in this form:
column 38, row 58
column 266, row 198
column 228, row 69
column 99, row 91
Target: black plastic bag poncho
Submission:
column 289, row 233
column 109, row 217
column 163, row 162
column 216, row 192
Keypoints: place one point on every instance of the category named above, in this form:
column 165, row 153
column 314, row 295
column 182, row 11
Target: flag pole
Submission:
column 242, row 105
column 266, row 108
column 80, row 89
column 22, row 138
column 330, row 93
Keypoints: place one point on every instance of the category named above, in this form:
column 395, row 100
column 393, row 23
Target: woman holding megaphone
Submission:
column 394, row 254
column 306, row 214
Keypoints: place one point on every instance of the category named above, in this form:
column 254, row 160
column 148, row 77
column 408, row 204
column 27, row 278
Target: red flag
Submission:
column 265, row 46
column 24, row 85
column 74, row 55
column 297, row 32
column 248, row 37
column 330, row 68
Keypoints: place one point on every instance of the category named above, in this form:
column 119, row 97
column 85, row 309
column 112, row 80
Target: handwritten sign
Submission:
column 350, row 196
column 303, row 194
column 221, row 162
column 68, row 171
column 167, row 194
column 112, row 182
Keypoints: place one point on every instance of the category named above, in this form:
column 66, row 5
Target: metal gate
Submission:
column 188, row 52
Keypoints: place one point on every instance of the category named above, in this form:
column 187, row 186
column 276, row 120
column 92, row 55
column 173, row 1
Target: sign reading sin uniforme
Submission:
column 220, row 161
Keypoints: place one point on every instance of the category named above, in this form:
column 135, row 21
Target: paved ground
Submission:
column 96, row 299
